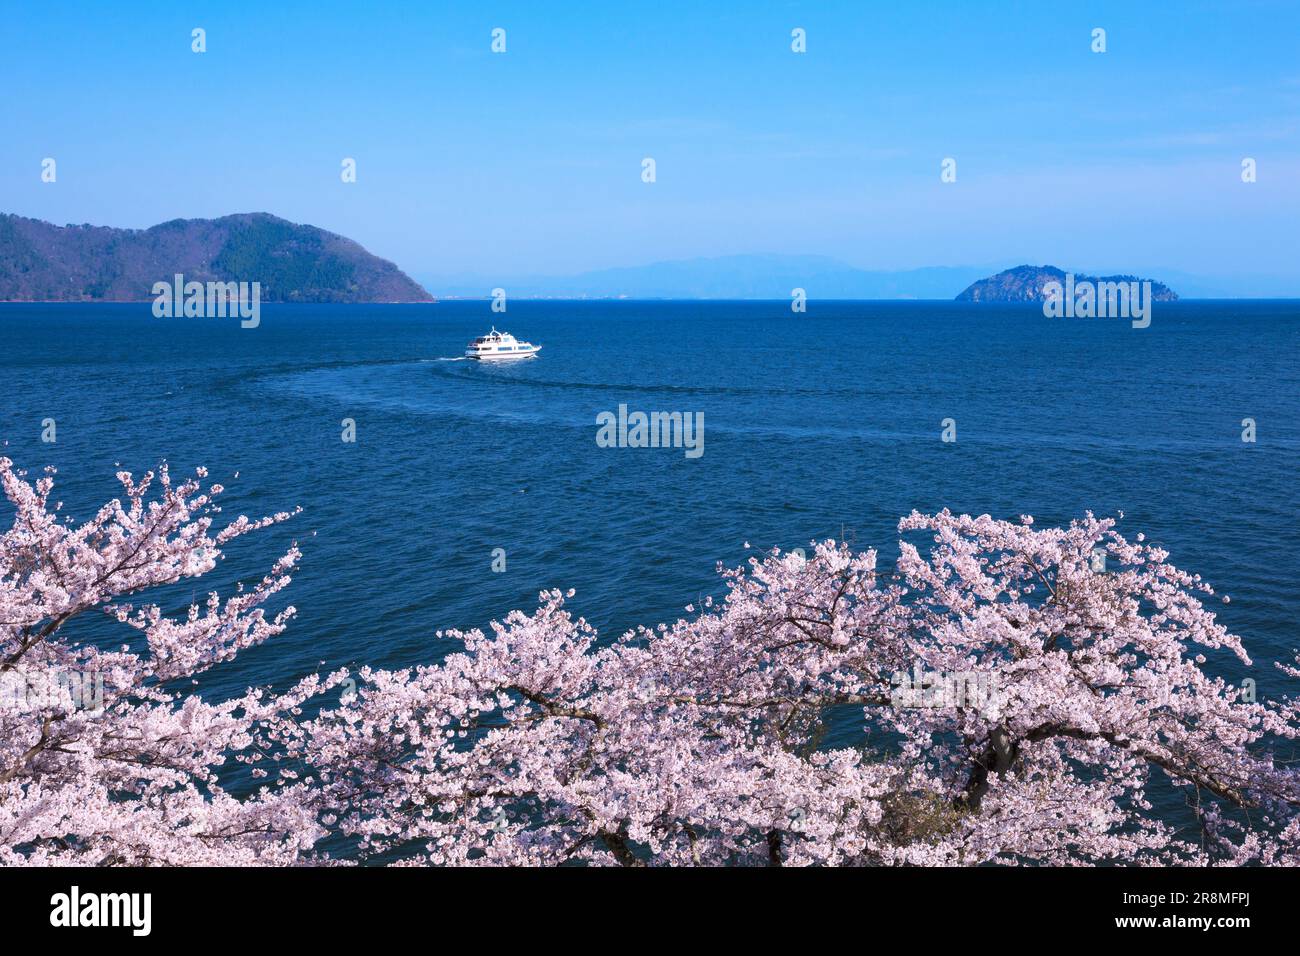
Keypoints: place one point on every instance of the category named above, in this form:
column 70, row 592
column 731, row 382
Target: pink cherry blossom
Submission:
column 767, row 727
column 704, row 742
column 133, row 780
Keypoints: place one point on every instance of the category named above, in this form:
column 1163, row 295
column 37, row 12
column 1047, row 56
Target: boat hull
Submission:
column 502, row 356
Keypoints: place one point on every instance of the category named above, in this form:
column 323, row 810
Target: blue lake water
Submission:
column 816, row 425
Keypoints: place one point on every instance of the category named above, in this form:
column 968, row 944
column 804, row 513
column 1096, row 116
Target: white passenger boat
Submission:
column 500, row 345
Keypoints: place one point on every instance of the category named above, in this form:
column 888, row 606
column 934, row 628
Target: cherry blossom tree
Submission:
column 777, row 725
column 104, row 759
column 998, row 695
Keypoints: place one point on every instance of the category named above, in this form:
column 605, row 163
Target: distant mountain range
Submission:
column 1025, row 284
column 40, row 261
column 774, row 276
column 725, row 277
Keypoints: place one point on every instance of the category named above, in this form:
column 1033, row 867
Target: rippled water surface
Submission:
column 816, row 425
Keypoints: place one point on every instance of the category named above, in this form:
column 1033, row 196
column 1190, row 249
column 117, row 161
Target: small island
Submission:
column 1025, row 284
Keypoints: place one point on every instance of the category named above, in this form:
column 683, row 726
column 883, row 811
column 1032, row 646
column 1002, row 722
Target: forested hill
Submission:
column 40, row 261
column 1025, row 284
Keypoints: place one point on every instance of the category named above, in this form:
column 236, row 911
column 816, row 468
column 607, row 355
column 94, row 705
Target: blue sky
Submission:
column 530, row 161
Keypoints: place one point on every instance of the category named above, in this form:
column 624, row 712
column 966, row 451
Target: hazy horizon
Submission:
column 932, row 282
column 663, row 279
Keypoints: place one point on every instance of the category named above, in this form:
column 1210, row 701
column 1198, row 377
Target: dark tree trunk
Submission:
column 999, row 756
column 775, row 852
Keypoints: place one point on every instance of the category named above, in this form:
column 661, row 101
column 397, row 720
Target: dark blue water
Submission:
column 816, row 425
